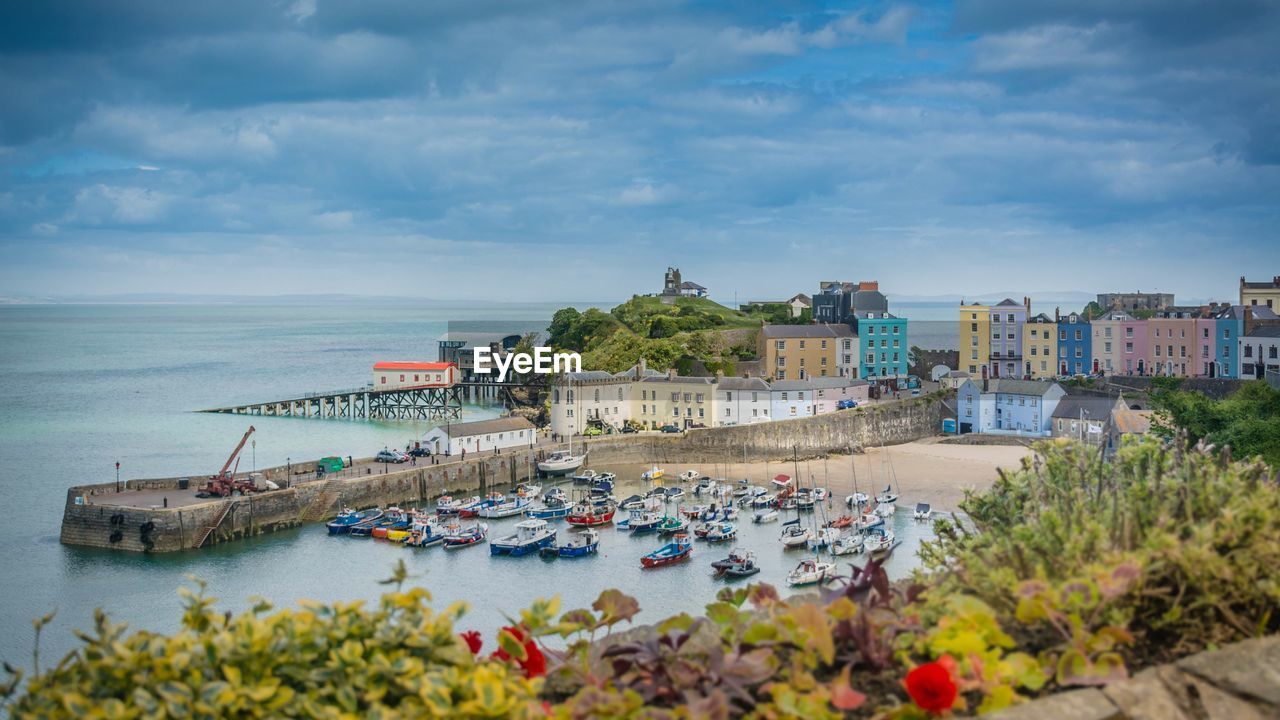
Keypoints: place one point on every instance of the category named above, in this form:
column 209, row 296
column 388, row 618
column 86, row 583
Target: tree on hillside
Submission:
column 1248, row 420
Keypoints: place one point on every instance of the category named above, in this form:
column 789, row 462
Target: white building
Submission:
column 480, row 436
column 1260, row 352
column 1007, row 406
column 742, row 401
column 581, row 399
column 791, row 399
column 828, row 393
column 397, row 375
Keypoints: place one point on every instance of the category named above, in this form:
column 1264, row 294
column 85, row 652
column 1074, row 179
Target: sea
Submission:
column 87, row 386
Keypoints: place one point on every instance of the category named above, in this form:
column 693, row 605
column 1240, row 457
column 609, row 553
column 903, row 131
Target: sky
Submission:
column 573, row 150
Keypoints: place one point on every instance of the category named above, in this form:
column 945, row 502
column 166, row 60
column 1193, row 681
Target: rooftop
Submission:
column 1089, row 407
column 686, row 379
column 782, row 332
column 740, row 383
column 1265, row 331
column 412, row 366
column 1136, row 422
column 1017, row 387
column 485, row 427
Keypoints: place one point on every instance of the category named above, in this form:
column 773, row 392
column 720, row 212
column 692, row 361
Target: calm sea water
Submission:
column 86, row 386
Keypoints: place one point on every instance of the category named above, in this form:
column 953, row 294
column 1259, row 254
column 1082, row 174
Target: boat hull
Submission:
column 520, row 549
column 653, row 561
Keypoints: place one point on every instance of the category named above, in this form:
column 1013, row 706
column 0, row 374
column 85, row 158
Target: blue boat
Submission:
column 531, row 536
column 347, row 519
column 550, row 511
column 640, row 521
column 580, row 544
column 601, row 487
column 366, row 526
column 673, row 552
column 425, row 534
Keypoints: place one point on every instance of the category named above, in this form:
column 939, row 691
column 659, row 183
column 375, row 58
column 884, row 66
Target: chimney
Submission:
column 1275, row 280
column 1026, row 302
column 671, row 373
column 719, row 374
column 1057, row 314
column 1248, row 319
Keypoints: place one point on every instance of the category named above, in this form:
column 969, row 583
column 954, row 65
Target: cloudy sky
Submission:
column 573, row 150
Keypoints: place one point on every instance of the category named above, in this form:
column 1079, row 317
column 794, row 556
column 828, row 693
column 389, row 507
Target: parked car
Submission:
column 670, row 428
column 846, row 404
column 915, row 392
column 592, row 431
column 629, row 429
column 420, row 452
column 391, row 456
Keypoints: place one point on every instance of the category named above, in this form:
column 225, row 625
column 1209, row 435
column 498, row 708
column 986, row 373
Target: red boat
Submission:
column 677, row 551
column 587, row 516
column 843, row 521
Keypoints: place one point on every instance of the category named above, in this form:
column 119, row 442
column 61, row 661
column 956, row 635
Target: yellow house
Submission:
column 673, row 400
column 975, row 339
column 1040, row 347
column 1263, row 292
column 801, row 352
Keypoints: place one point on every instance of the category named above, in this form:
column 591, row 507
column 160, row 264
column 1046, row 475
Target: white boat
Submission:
column 923, row 511
column 530, row 536
column 870, row 520
column 886, row 496
column 586, row 477
column 705, row 486
column 856, row 499
column 819, row 494
column 804, row 502
column 653, row 473
column 823, row 538
column 449, row 505
column 809, row 572
column 690, row 475
column 878, row 541
column 795, row 535
column 767, row 515
column 528, row 490
column 763, row 501
column 886, row 509
column 560, row 462
column 640, row 521
column 848, row 544
column 674, row 492
column 605, row 477
column 504, row 509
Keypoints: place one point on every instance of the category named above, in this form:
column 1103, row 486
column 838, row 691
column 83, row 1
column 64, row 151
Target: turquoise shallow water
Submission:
column 85, row 386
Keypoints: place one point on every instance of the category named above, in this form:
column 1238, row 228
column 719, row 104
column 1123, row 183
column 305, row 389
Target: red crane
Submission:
column 225, row 484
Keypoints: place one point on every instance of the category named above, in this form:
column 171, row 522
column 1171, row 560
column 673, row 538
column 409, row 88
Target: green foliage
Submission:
column 778, row 314
column 1247, row 421
column 571, row 330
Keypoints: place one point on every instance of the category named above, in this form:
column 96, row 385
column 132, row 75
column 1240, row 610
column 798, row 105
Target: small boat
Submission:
column 531, row 536
column 590, row 515
column 856, row 499
column 600, row 486
column 878, row 542
column 347, row 519
column 365, row 526
column 695, row 512
column 510, row 508
column 393, row 519
column 704, row 486
column 427, row 534
column 586, row 477
column 674, row 492
column 886, row 496
column 804, row 500
column 560, row 462
column 843, row 521
column 720, row 532
column 653, row 473
column 788, row 503
column 870, row 520
column 672, row 525
column 606, row 477
column 741, row 492
column 767, row 515
column 886, row 509
column 462, row 537
column 764, row 501
column 548, row 511
column 794, row 534
column 528, row 490
column 555, row 495
column 633, row 502
column 810, row 572
column 823, row 538
column 580, row 544
column 640, row 521
column 923, row 511
column 472, row 509
column 736, row 555
column 689, row 475
column 819, row 494
column 678, row 550
column 847, row 544
column 449, row 505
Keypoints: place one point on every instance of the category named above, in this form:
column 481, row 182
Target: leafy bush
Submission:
column 1247, row 421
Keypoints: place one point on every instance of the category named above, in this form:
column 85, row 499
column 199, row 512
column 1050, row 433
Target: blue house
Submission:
column 884, row 347
column 1075, row 345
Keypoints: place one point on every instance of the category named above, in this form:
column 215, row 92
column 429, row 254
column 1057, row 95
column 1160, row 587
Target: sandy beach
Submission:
column 926, row 471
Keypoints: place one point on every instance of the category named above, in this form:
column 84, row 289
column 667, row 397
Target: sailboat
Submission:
column 562, row 462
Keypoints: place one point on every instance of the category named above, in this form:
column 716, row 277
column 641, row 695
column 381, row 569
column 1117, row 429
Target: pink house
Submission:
column 829, row 392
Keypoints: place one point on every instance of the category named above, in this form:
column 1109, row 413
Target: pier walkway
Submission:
column 369, row 403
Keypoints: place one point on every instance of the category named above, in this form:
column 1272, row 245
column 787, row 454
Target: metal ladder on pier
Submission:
column 207, row 531
column 320, row 504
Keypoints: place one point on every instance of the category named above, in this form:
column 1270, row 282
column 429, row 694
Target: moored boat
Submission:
column 553, row 510
column 509, row 508
column 689, row 475
column 720, row 532
column 560, row 462
column 767, row 515
column 462, row 537
column 530, row 536
column 847, row 544
column 586, row 542
column 856, row 499
column 586, row 477
column 794, row 534
column 671, row 525
column 348, row 519
column 843, row 521
column 878, row 542
column 653, row 473
column 639, row 521
column 674, row 492
column 740, row 563
column 923, row 511
column 449, row 505
column 393, row 519
column 426, row 534
column 528, row 490
column 590, row 515
column 678, row 550
column 366, row 526
column 809, row 572
column 823, row 538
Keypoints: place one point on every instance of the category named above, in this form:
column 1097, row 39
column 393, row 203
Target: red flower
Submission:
column 472, row 638
column 534, row 663
column 932, row 687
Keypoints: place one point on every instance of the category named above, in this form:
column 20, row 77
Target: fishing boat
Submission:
column 555, row 495
column 794, row 534
column 672, row 525
column 810, row 572
column 823, row 538
column 580, row 544
column 349, row 518
column 586, row 477
column 400, row 531
column 509, row 508
column 856, row 500
column 552, row 510
column 766, row 515
column 736, row 555
column 528, row 490
column 531, row 536
column 560, row 462
column 427, row 534
column 720, row 532
column 365, row 526
column 606, row 477
column 601, row 486
column 740, row 563
column 640, row 521
column 678, row 550
column 472, row 509
column 674, row 492
column 923, row 511
column 653, row 473
column 590, row 515
column 458, row 537
column 847, row 544
column 843, row 521
column 878, row 542
column 449, row 505
column 393, row 519
column 689, row 475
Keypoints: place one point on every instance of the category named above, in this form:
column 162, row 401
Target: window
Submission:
column 1157, row 347
column 824, row 360
column 675, row 397
column 728, row 396
column 1226, row 333
column 801, row 344
column 895, row 329
column 1107, row 347
column 1062, row 334
column 687, row 396
column 782, row 362
column 675, row 412
column 871, row 358
column 1206, row 332
column 1128, row 332
column 1226, row 351
column 1128, row 347
column 824, row 345
column 753, row 396
column 1078, row 336
column 401, row 378
column 384, row 379
column 782, row 344
column 700, row 397
column 973, row 327
column 597, row 395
